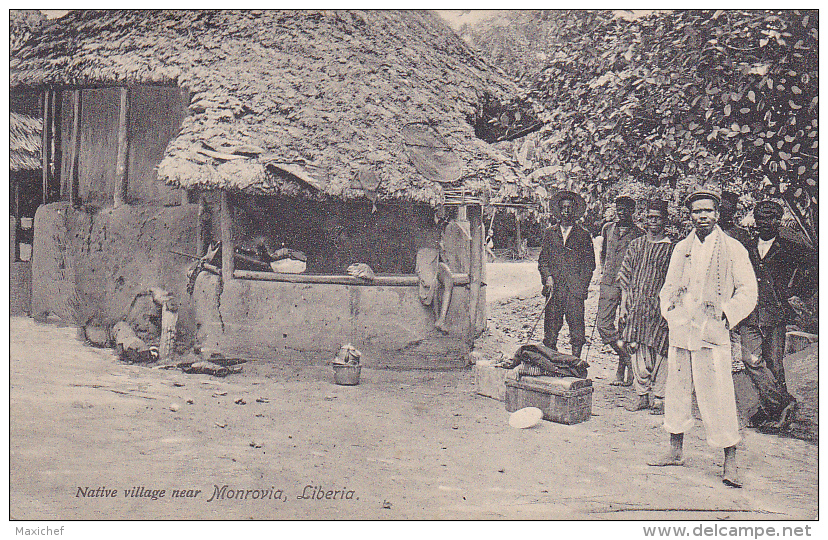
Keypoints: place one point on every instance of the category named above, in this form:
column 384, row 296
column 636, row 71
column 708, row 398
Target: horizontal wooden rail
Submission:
column 379, row 281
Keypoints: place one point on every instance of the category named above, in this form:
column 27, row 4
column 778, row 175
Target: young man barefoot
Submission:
column 710, row 287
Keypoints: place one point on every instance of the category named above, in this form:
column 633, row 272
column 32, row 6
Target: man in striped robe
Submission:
column 641, row 276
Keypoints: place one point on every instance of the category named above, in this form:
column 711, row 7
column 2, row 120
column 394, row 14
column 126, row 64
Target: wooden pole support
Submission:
column 378, row 281
column 74, row 148
column 15, row 243
column 462, row 213
column 228, row 250
column 203, row 240
column 44, row 144
column 56, row 149
column 476, row 267
column 121, row 177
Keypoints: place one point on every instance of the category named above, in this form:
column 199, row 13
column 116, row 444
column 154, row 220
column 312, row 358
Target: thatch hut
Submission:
column 24, row 176
column 348, row 135
column 24, row 142
column 24, row 173
column 26, row 190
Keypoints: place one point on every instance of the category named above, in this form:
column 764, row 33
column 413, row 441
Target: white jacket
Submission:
column 696, row 322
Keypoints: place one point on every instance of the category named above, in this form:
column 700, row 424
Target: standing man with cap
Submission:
column 617, row 237
column 727, row 212
column 741, row 380
column 710, row 287
column 641, row 276
column 781, row 267
column 566, row 263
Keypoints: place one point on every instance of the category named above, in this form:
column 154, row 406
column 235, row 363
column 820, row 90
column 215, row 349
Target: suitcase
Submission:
column 490, row 380
column 565, row 400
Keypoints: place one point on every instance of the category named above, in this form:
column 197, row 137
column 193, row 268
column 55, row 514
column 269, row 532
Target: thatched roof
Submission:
column 289, row 101
column 24, row 142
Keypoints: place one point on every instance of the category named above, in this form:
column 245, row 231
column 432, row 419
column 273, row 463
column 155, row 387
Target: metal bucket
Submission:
column 346, row 375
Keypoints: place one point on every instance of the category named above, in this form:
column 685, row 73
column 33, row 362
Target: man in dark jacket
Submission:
column 727, row 213
column 566, row 263
column 782, row 270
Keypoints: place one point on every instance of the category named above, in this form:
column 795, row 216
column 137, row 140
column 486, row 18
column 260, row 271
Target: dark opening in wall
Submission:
column 335, row 234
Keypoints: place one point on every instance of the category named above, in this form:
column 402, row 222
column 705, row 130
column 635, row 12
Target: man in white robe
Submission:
column 710, row 287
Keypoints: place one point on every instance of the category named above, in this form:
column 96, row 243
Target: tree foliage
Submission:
column 728, row 96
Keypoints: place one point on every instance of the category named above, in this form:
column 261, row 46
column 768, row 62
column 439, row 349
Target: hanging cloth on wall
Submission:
column 456, row 246
column 428, row 260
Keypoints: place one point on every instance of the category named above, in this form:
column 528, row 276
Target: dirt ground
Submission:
column 401, row 445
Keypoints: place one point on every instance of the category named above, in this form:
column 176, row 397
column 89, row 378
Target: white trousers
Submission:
column 708, row 372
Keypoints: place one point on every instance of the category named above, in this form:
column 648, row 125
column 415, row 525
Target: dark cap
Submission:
column 768, row 208
column 702, row 194
column 625, row 201
column 657, row 204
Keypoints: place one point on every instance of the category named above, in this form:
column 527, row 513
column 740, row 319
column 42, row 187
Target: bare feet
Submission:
column 658, row 406
column 730, row 476
column 668, row 460
column 640, row 403
column 676, row 455
column 619, row 374
column 732, row 480
column 628, row 380
column 787, row 415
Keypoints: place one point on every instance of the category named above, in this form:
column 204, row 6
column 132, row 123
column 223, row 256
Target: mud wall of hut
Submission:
column 90, row 261
column 91, row 265
column 307, row 323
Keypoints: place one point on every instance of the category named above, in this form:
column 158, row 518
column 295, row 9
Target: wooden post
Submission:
column 475, row 266
column 203, row 224
column 45, row 143
column 228, row 251
column 74, row 146
column 15, row 244
column 55, row 135
column 121, row 178
column 518, row 238
column 461, row 213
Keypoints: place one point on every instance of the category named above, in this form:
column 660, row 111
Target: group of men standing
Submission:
column 681, row 307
